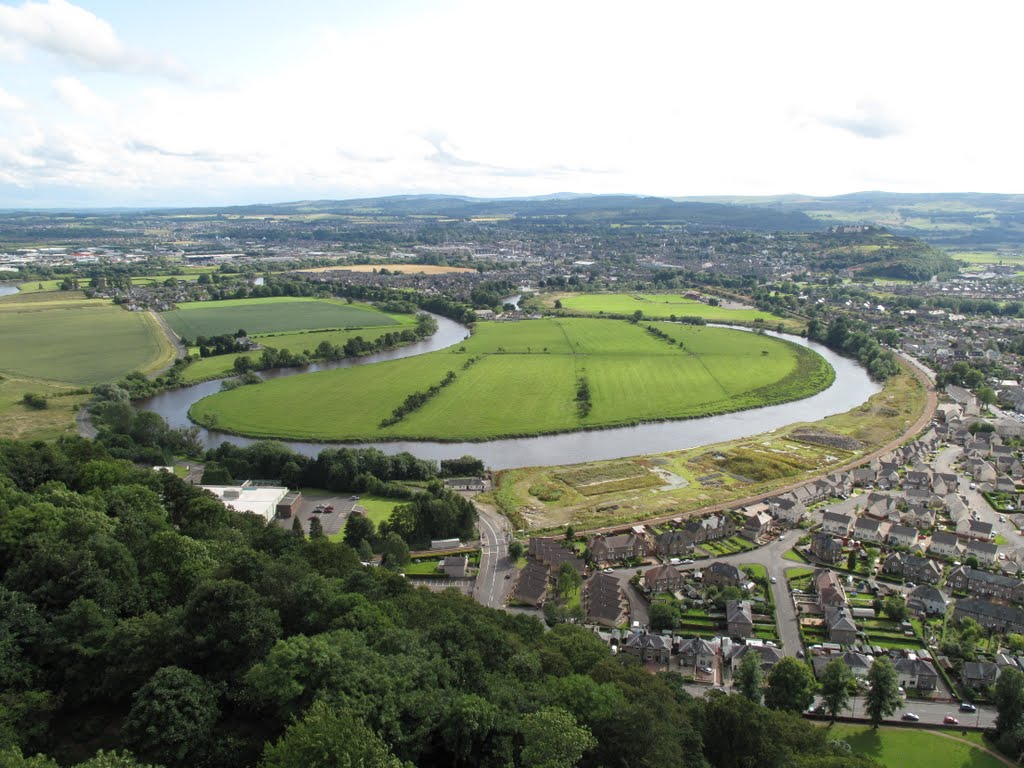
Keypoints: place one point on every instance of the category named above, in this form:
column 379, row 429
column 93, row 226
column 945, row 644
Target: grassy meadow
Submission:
column 664, row 306
column 19, row 422
column 216, row 367
column 79, row 342
column 517, row 379
column 270, row 315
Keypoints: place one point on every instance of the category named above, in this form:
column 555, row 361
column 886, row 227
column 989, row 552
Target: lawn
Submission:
column 79, row 342
column 378, row 508
column 523, row 379
column 663, row 306
column 912, row 748
column 269, row 315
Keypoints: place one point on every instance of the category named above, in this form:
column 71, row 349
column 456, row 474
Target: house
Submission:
column 552, row 552
column 649, row 648
column 980, row 674
column 902, row 536
column 836, row 524
column 623, row 546
column 604, row 601
column 826, row 549
column 976, row 529
column 720, row 574
column 921, row 570
column 1002, row 618
column 466, row 484
column 979, row 583
column 673, row 543
column 839, row 622
column 926, row 600
column 789, row 510
column 532, row 585
column 739, row 618
column 663, row 578
column 946, row 544
column 770, row 655
column 866, row 529
column 828, row 588
column 454, row 567
column 916, row 673
column 696, row 653
column 985, row 551
column 756, row 526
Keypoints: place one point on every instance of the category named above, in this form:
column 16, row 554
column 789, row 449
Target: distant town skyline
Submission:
column 114, row 103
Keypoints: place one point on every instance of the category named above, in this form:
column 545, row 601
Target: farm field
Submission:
column 269, row 315
column 663, row 306
column 515, row 379
column 408, row 269
column 912, row 748
column 218, row 366
column 79, row 342
column 536, row 497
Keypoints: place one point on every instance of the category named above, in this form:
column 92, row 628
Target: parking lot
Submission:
column 332, row 522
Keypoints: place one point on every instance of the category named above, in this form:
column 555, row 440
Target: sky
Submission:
column 211, row 102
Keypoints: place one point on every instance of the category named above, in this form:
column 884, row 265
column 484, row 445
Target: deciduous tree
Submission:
column 749, row 677
column 883, row 698
column 791, row 686
column 835, row 686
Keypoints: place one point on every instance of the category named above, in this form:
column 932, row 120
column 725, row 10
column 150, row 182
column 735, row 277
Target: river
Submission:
column 852, row 387
column 8, row 289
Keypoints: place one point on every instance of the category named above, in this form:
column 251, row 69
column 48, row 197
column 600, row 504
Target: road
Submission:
column 491, row 588
column 179, row 348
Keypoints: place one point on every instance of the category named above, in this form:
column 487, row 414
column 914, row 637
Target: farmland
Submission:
column 269, row 315
column 78, row 342
column 296, row 342
column 514, row 379
column 664, row 306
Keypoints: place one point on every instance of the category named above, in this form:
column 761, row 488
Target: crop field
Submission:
column 269, row 315
column 663, row 306
column 79, row 342
column 516, row 379
column 912, row 747
column 223, row 365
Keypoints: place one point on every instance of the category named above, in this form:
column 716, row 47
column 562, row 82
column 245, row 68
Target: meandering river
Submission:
column 8, row 289
column 852, row 387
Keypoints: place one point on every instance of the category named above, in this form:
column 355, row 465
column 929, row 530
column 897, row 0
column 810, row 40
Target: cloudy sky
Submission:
column 122, row 102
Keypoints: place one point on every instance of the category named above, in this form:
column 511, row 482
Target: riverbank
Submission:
column 703, row 479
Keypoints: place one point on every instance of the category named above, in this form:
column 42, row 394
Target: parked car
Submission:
column 687, row 561
column 910, row 716
column 773, row 580
column 707, row 670
column 353, row 498
column 950, row 720
column 609, row 570
column 329, row 508
column 966, row 706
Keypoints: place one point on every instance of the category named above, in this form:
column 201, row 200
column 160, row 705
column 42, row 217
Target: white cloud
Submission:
column 9, row 102
column 80, row 37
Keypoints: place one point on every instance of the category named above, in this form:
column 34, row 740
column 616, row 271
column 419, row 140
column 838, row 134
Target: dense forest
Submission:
column 141, row 622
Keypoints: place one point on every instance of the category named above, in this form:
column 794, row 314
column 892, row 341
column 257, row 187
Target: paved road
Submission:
column 492, row 587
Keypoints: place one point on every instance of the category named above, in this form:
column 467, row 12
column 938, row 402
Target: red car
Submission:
column 950, row 720
column 329, row 508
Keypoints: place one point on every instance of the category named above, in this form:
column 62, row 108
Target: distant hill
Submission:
column 612, row 209
column 964, row 220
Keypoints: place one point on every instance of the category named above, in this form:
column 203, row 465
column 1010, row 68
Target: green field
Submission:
column 663, row 305
column 219, row 366
column 270, row 315
column 523, row 379
column 912, row 748
column 79, row 342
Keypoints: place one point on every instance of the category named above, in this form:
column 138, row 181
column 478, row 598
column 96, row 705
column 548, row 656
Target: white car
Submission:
column 773, row 580
column 782, row 537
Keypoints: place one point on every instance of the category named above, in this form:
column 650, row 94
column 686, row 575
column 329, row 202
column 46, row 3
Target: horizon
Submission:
column 109, row 104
